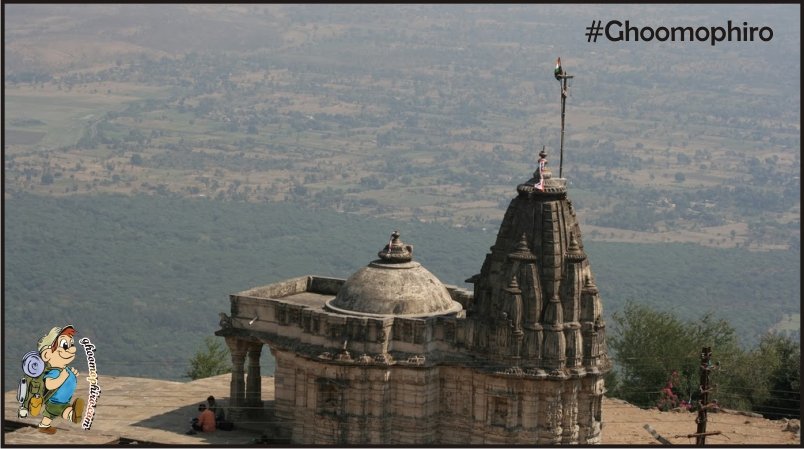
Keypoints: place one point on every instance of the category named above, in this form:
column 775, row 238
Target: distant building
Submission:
column 392, row 356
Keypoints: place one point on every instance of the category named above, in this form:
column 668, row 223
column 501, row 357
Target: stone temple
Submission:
column 393, row 356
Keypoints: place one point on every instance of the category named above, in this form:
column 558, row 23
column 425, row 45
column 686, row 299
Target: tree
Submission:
column 212, row 359
column 784, row 377
column 650, row 345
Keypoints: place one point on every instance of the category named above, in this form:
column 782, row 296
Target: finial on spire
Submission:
column 396, row 251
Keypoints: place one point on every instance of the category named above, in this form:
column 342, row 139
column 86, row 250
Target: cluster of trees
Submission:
column 651, row 347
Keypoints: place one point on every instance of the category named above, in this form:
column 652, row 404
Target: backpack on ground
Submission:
column 31, row 392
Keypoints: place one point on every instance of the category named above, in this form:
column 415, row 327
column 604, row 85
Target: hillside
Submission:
column 145, row 277
column 350, row 107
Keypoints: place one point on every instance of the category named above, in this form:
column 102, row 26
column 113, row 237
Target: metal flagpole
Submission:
column 563, row 78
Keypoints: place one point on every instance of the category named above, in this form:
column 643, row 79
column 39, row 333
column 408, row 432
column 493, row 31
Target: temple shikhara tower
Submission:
column 393, row 356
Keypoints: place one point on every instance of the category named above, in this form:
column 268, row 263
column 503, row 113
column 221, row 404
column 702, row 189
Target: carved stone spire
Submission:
column 515, row 310
column 574, row 252
column 593, row 327
column 542, row 181
column 521, row 252
column 539, row 245
column 555, row 344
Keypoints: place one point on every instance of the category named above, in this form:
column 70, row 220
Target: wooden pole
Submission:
column 700, row 439
column 656, row 435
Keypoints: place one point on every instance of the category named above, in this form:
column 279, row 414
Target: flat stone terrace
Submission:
column 132, row 409
column 157, row 412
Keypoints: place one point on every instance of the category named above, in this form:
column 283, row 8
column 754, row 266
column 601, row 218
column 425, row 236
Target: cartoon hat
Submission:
column 47, row 341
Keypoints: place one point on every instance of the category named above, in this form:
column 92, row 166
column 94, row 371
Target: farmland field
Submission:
column 166, row 155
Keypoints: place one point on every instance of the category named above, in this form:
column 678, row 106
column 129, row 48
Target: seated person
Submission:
column 220, row 416
column 216, row 410
column 205, row 421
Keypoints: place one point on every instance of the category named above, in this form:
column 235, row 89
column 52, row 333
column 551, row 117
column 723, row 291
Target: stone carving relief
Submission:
column 554, row 412
column 225, row 321
column 498, row 411
column 329, row 399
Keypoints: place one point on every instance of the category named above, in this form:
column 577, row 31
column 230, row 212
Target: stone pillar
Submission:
column 253, row 394
column 237, row 386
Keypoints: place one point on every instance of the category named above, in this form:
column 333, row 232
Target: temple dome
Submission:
column 394, row 285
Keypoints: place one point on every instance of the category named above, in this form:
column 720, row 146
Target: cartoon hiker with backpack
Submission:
column 49, row 383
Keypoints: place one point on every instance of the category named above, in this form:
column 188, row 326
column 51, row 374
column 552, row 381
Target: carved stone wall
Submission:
column 338, row 404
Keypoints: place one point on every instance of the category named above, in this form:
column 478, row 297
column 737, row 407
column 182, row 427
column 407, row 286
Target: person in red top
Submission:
column 205, row 421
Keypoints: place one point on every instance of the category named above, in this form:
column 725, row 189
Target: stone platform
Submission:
column 131, row 409
column 165, row 408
